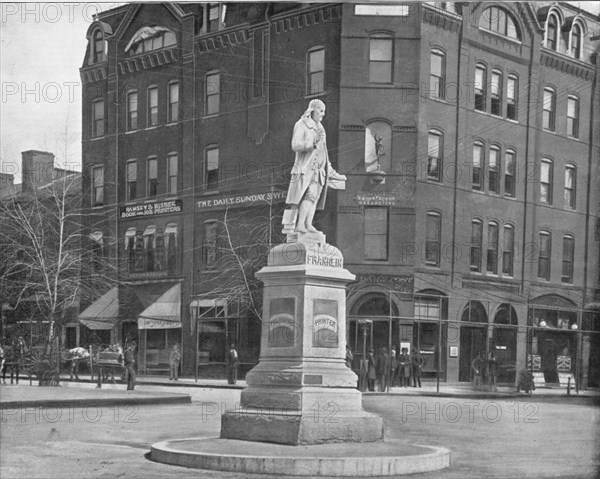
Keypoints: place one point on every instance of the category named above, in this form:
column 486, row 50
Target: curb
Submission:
column 59, row 403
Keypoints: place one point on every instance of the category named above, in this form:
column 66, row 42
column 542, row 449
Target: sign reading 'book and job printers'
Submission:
column 152, row 209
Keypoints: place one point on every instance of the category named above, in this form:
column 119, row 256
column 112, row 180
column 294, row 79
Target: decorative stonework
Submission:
column 148, row 61
column 567, row 65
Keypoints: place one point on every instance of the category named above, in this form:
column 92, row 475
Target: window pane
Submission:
column 436, row 64
column 317, row 60
column 496, row 83
column 152, row 168
column 376, row 220
column 380, row 49
column 545, row 172
column 380, row 72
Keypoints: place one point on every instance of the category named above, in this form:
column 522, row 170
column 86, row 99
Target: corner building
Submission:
column 469, row 136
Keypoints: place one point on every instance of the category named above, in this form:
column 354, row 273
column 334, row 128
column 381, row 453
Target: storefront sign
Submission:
column 151, row 209
column 241, row 200
column 399, row 283
column 453, row 351
column 375, row 199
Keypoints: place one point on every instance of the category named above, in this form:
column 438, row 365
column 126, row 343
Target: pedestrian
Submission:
column 382, row 369
column 404, row 368
column 393, row 367
column 232, row 365
column 476, row 367
column 416, row 367
column 174, row 359
column 493, row 372
column 2, row 359
column 129, row 359
column 371, row 371
column 349, row 357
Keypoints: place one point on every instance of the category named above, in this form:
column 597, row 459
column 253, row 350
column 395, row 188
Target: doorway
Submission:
column 473, row 338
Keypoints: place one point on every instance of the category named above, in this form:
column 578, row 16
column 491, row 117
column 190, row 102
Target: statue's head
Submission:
column 315, row 106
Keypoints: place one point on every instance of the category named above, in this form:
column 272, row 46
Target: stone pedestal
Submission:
column 301, row 392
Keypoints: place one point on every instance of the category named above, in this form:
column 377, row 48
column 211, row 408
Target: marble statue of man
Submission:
column 312, row 172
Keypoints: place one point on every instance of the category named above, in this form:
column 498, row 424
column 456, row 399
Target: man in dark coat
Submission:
column 129, row 359
column 417, row 367
column 232, row 365
column 382, row 368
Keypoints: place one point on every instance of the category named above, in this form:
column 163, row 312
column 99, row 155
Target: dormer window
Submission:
column 498, row 20
column 214, row 14
column 148, row 39
column 552, row 32
column 98, row 46
column 576, row 41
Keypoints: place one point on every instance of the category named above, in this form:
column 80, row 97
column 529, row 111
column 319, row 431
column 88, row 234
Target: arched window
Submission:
column 99, row 47
column 212, row 92
column 148, row 39
column 132, row 110
column 492, row 248
column 480, row 87
column 130, row 245
column 173, row 102
column 573, row 116
column 477, row 166
column 172, row 247
column 510, row 164
column 544, row 255
column 552, row 32
column 209, row 250
column 494, row 170
column 512, row 97
column 568, row 256
column 96, row 250
column 476, row 245
column 381, row 58
column 435, row 157
column 496, row 93
column 549, row 110
column 433, row 234
column 315, row 71
column 576, row 37
column 211, row 168
column 570, row 186
column 508, row 250
column 149, row 245
column 546, row 181
column 437, row 75
column 499, row 20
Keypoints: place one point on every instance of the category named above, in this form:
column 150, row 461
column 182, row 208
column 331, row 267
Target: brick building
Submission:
column 469, row 136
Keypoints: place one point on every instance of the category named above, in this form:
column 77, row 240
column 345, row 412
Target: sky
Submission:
column 42, row 46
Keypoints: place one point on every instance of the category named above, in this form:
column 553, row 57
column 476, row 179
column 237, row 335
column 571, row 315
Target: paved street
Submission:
column 515, row 437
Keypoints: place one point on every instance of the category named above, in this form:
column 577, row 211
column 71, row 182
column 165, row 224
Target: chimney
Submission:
column 7, row 186
column 38, row 169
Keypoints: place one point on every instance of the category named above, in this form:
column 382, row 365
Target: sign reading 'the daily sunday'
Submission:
column 239, row 200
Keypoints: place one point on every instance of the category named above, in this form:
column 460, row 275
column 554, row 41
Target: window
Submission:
column 512, row 93
column 509, row 174
column 476, row 176
column 98, row 186
column 548, row 120
column 152, row 174
column 433, row 239
column 376, row 233
column 130, row 244
column 316, row 72
column 97, row 118
column 480, row 87
column 437, row 75
column 132, row 111
column 576, row 41
column 159, row 251
column 476, row 245
column 545, row 248
column 546, row 181
column 508, row 250
column 496, row 93
column 210, row 243
column 211, row 168
column 96, row 250
column 567, row 263
column 570, row 186
column 492, row 248
column 131, row 176
column 98, row 47
column 173, row 112
column 172, row 173
column 148, row 39
column 149, row 238
column 171, row 247
column 573, row 117
column 380, row 59
column 434, row 156
column 499, row 21
column 552, row 32
column 213, row 17
column 212, row 94
column 494, row 170
column 152, row 106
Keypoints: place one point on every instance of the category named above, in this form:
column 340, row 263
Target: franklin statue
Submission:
column 312, row 172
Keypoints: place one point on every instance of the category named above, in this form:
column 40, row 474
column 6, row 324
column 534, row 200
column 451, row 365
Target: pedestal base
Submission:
column 312, row 427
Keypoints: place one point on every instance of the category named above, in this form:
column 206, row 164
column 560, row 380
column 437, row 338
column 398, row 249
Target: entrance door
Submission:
column 504, row 346
column 472, row 341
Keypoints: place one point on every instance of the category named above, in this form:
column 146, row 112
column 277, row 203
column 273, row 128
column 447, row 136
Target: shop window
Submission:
column 570, row 186
column 132, row 111
column 173, row 102
column 500, row 21
column 512, row 95
column 97, row 118
column 549, row 113
column 315, row 81
column 494, row 170
column 477, row 167
column 496, row 93
column 437, row 75
column 98, row 185
column 209, row 249
column 433, row 238
column 152, row 106
column 380, row 59
column 568, row 256
column 476, row 245
column 546, row 181
column 508, row 250
column 573, row 116
column 152, row 173
column 480, row 87
column 376, row 233
column 172, row 247
column 131, row 178
column 172, row 173
column 545, row 250
column 492, row 248
column 435, row 163
column 211, row 168
column 212, row 93
column 509, row 173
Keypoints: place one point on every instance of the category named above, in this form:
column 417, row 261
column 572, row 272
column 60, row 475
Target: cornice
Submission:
column 495, row 51
column 566, row 65
column 222, row 39
column 441, row 18
column 297, row 20
column 93, row 73
column 148, row 61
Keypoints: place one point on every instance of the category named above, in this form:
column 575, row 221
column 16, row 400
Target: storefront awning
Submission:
column 164, row 313
column 102, row 313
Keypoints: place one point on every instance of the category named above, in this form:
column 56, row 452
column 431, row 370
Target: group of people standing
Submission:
column 485, row 373
column 11, row 358
column 397, row 370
